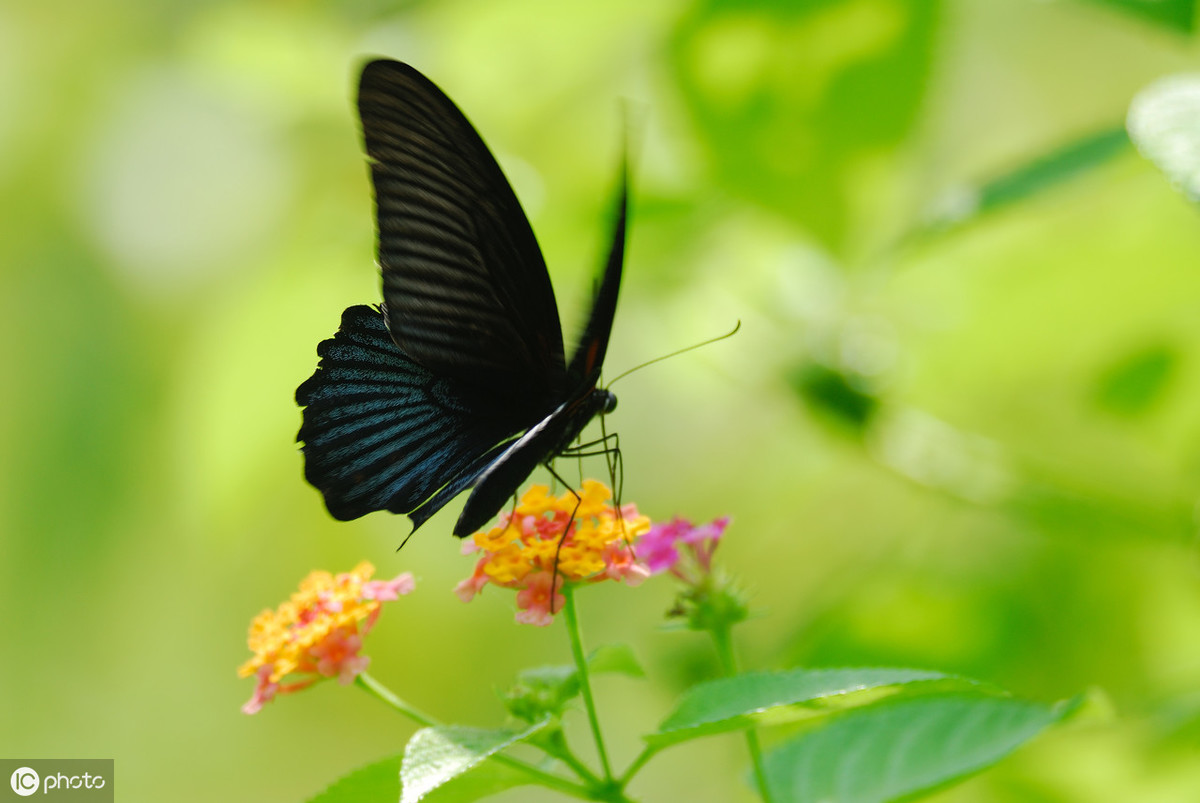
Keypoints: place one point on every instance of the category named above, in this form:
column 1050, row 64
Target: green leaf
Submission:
column 436, row 756
column 547, row 676
column 378, row 782
column 489, row 778
column 1178, row 15
column 1042, row 173
column 1164, row 123
column 1053, row 168
column 1135, row 382
column 727, row 704
column 615, row 658
column 894, row 749
column 541, row 692
column 545, row 690
column 791, row 100
column 833, row 394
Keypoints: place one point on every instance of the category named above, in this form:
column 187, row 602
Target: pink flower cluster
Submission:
column 681, row 548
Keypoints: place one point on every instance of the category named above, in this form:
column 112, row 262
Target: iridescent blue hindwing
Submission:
column 382, row 433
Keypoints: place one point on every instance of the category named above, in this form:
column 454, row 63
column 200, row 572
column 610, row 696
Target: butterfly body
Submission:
column 459, row 379
column 546, row 439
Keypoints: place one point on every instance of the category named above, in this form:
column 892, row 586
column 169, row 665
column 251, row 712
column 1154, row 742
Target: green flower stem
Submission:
column 370, row 684
column 584, row 681
column 365, row 681
column 756, row 760
column 722, row 635
column 647, row 753
column 557, row 747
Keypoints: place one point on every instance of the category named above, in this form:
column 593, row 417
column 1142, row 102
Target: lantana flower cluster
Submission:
column 547, row 540
column 318, row 632
column 707, row 599
column 543, row 543
column 682, row 548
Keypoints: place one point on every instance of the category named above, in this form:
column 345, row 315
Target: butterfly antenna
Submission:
column 684, row 350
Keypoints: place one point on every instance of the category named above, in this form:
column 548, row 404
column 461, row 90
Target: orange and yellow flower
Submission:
column 318, row 632
column 550, row 540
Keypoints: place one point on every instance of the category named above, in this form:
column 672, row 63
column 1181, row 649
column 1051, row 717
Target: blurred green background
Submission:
column 957, row 430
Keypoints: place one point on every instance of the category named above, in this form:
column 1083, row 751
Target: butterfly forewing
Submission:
column 466, row 292
column 548, row 437
column 586, row 361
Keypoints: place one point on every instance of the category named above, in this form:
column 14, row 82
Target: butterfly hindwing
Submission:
column 465, row 288
column 382, row 433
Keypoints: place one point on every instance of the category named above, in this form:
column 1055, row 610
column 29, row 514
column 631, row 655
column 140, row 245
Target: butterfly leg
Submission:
column 616, row 475
column 592, row 448
column 616, row 466
column 609, row 445
column 566, row 530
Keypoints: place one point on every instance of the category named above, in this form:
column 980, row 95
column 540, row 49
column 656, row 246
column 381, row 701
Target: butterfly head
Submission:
column 606, row 401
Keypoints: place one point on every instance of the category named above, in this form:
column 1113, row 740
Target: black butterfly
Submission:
column 429, row 395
